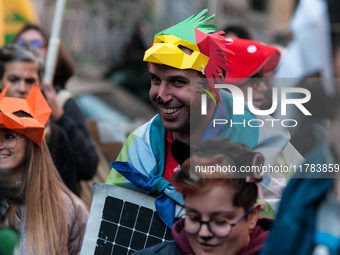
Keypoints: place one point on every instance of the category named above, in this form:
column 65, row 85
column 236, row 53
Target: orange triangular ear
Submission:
column 33, row 131
column 3, row 93
column 11, row 121
column 38, row 105
column 35, row 105
column 36, row 135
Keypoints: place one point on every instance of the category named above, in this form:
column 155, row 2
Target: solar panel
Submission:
column 122, row 221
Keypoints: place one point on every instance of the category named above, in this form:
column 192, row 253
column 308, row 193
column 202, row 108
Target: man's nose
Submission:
column 159, row 100
column 22, row 86
column 164, row 94
column 262, row 87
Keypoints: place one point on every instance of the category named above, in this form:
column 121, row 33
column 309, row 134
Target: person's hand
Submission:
column 51, row 98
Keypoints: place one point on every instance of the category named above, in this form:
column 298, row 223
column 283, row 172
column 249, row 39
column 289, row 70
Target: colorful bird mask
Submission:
column 34, row 106
column 191, row 44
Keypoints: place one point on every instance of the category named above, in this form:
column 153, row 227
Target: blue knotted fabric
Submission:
column 165, row 206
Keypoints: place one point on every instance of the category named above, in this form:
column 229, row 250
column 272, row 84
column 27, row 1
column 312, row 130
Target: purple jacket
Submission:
column 181, row 244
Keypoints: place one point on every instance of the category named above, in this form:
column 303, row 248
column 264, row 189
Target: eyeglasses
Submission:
column 218, row 226
column 10, row 140
column 35, row 43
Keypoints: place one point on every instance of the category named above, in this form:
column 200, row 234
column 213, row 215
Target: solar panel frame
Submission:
column 105, row 228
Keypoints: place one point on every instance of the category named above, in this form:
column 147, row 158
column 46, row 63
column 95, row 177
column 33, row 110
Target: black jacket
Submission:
column 85, row 156
column 167, row 248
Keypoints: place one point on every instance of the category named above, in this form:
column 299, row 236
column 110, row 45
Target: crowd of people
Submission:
column 209, row 89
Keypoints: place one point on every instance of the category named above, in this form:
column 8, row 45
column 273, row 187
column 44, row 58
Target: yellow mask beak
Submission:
column 166, row 50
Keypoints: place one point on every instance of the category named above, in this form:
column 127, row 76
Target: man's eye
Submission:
column 179, row 82
column 155, row 80
column 13, row 79
column 30, row 81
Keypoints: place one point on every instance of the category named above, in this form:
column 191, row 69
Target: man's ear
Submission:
column 254, row 215
column 222, row 79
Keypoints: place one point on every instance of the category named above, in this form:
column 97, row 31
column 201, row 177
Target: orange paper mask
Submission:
column 34, row 105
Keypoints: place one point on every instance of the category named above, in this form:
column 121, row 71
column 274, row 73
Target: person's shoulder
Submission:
column 76, row 216
column 70, row 106
column 64, row 96
column 144, row 129
column 166, row 248
column 75, row 208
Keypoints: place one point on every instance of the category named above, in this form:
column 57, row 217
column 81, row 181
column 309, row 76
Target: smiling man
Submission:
column 185, row 61
column 22, row 68
column 170, row 94
column 177, row 101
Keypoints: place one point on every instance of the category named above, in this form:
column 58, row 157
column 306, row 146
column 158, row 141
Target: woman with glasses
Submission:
column 35, row 36
column 220, row 215
column 249, row 63
column 22, row 67
column 51, row 220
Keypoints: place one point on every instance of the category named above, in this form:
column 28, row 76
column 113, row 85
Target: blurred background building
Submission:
column 267, row 20
column 99, row 33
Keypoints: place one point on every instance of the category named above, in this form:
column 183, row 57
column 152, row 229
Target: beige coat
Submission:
column 75, row 238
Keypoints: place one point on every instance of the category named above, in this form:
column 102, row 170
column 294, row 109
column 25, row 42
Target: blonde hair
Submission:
column 42, row 190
